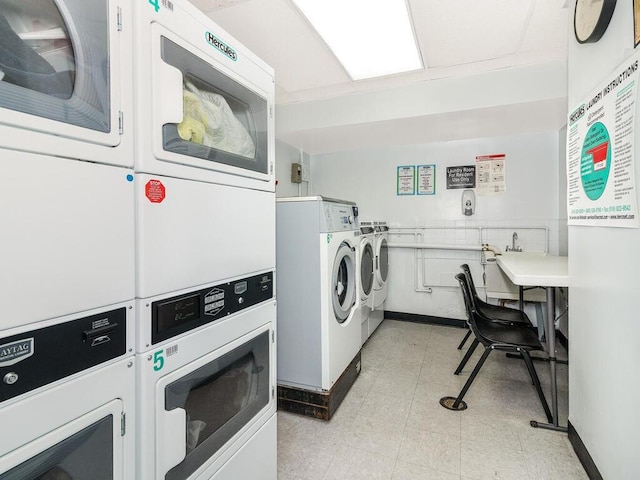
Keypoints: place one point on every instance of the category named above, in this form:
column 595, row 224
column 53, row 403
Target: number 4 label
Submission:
column 156, row 4
column 158, row 361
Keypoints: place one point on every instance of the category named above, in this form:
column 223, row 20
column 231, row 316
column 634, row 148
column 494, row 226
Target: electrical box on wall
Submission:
column 305, row 173
column 296, row 173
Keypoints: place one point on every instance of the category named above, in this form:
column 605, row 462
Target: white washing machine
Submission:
column 68, row 398
column 207, row 406
column 319, row 334
column 69, row 94
column 204, row 103
column 381, row 274
column 366, row 266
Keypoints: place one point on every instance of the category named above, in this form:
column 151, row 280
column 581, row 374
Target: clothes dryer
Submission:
column 367, row 276
column 206, row 399
column 65, row 79
column 204, row 103
column 68, row 398
column 319, row 333
column 68, row 242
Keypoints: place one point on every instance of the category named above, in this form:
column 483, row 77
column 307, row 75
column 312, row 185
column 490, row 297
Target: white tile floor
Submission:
column 391, row 426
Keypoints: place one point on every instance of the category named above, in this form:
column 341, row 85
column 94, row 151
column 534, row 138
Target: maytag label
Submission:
column 220, row 45
column 14, row 352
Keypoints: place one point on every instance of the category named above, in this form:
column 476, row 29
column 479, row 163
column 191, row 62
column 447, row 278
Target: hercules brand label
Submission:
column 220, row 45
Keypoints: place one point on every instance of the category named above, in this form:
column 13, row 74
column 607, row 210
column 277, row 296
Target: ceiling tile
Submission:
column 457, row 32
column 278, row 34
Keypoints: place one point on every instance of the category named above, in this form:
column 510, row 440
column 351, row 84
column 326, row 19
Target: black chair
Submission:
column 511, row 338
column 494, row 312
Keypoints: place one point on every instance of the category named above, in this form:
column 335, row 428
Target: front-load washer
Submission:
column 206, row 399
column 68, row 242
column 204, row 103
column 366, row 266
column 65, row 79
column 68, row 399
column 380, row 285
column 319, row 333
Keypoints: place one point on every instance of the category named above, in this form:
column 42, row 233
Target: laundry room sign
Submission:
column 155, row 191
column 461, row 177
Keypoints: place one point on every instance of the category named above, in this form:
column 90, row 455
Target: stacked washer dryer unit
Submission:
column 367, row 275
column 319, row 334
column 381, row 274
column 66, row 185
column 205, row 257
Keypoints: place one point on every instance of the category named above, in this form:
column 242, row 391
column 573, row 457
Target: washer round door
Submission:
column 382, row 259
column 366, row 269
column 343, row 282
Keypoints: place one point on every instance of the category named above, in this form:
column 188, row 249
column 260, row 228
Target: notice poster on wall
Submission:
column 406, row 180
column 461, row 177
column 600, row 172
column 490, row 174
column 426, row 179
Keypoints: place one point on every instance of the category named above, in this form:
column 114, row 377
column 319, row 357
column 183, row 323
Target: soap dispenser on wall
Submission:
column 468, row 202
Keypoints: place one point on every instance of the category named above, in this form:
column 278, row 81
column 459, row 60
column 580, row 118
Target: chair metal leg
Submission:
column 464, row 340
column 472, row 377
column 467, row 356
column 536, row 382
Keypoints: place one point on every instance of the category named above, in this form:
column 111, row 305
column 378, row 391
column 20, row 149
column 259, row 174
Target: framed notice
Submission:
column 491, row 176
column 406, row 180
column 426, row 179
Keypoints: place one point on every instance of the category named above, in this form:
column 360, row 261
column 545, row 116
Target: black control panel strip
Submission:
column 176, row 315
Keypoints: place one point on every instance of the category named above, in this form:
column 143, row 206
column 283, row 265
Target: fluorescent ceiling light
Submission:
column 371, row 38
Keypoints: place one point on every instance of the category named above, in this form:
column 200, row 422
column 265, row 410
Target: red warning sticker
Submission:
column 155, row 191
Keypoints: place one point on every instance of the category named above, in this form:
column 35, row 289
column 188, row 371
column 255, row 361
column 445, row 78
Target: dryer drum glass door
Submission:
column 223, row 121
column 87, row 453
column 54, row 60
column 383, row 262
column 219, row 399
column 366, row 269
column 343, row 289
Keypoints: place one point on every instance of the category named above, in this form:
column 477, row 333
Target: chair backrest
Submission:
column 466, row 295
column 472, row 287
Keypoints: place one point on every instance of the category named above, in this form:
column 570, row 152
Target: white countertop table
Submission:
column 538, row 269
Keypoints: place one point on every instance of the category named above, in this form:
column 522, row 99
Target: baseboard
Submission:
column 583, row 455
column 429, row 319
column 320, row 405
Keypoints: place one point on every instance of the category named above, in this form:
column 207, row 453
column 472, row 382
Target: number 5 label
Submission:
column 158, row 361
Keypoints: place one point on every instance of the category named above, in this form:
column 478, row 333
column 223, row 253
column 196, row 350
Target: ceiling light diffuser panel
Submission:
column 371, row 38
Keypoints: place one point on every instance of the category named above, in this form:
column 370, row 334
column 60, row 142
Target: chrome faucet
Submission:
column 513, row 247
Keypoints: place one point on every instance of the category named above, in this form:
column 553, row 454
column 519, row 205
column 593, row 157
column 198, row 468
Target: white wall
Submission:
column 285, row 156
column 368, row 177
column 603, row 266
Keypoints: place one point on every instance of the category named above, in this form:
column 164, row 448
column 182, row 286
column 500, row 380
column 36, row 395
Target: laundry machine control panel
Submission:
column 176, row 315
column 39, row 357
column 340, row 217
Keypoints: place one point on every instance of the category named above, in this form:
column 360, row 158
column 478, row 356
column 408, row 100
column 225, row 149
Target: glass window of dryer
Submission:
column 219, row 399
column 85, row 454
column 223, row 122
column 54, row 60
